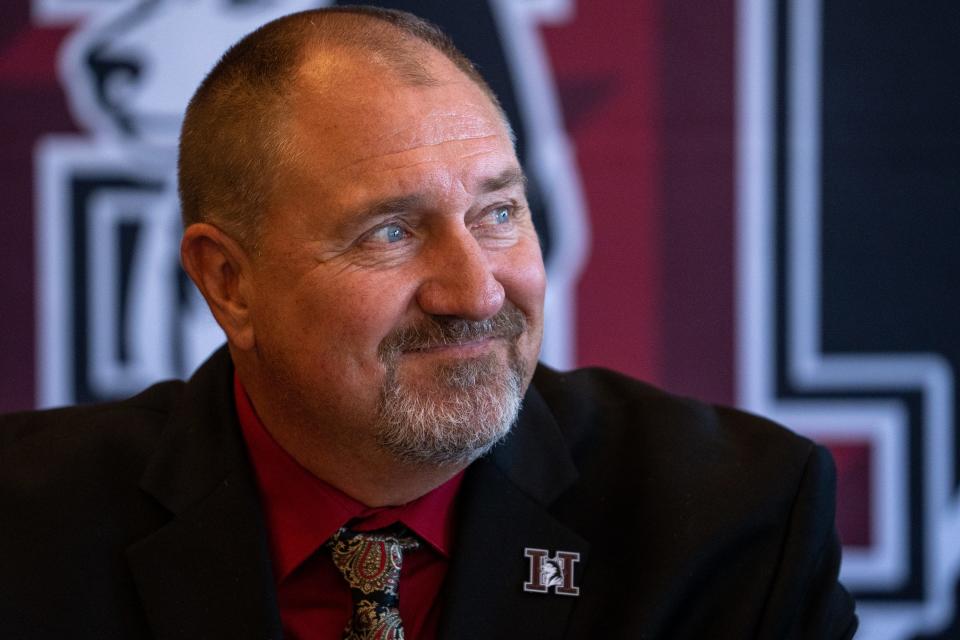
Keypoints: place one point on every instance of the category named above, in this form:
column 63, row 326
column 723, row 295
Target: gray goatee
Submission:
column 467, row 406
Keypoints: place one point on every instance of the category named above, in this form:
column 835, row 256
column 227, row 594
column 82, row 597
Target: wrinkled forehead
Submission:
column 344, row 109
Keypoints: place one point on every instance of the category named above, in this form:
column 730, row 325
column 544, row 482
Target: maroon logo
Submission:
column 551, row 572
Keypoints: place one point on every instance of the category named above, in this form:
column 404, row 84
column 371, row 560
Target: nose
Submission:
column 459, row 280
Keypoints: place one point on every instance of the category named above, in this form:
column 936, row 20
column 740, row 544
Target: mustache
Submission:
column 439, row 331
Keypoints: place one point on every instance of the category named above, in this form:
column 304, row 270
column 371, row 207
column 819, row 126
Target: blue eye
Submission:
column 389, row 233
column 501, row 215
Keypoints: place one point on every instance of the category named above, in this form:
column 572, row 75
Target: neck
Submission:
column 372, row 478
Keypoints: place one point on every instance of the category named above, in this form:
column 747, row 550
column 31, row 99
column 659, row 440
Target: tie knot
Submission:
column 370, row 561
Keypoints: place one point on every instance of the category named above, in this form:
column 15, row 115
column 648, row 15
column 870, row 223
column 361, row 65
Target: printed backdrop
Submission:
column 753, row 202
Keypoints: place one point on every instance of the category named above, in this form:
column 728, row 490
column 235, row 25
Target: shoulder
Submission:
column 598, row 404
column 71, row 498
column 714, row 504
column 682, row 458
column 127, row 425
column 84, row 456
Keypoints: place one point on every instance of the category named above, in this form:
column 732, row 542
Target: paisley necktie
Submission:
column 370, row 562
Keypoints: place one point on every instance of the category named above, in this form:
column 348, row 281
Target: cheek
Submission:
column 346, row 318
column 524, row 279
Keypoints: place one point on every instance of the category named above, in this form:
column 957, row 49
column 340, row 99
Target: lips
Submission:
column 462, row 345
column 437, row 333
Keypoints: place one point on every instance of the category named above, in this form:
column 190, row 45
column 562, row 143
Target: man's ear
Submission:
column 220, row 268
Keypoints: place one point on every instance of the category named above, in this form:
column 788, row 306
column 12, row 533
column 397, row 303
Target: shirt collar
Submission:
column 302, row 511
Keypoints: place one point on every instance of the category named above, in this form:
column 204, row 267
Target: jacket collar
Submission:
column 504, row 509
column 207, row 572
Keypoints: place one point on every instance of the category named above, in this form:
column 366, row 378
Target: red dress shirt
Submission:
column 302, row 512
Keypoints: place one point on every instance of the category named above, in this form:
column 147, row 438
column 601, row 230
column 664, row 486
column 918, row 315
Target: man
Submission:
column 355, row 218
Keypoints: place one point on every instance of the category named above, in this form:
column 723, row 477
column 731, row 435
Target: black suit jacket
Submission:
column 140, row 519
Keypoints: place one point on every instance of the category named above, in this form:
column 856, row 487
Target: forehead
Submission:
column 347, row 116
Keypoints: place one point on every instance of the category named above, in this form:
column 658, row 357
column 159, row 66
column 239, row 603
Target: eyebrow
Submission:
column 507, row 178
column 391, row 206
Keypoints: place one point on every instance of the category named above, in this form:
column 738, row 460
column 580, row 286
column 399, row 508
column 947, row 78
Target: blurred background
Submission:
column 754, row 202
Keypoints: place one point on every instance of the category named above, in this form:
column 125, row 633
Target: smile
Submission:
column 465, row 349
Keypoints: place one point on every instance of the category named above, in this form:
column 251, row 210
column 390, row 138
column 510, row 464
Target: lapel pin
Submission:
column 551, row 572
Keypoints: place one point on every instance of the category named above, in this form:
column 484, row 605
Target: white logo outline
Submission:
column 883, row 423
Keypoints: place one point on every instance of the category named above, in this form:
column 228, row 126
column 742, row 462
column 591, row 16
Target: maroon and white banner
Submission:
column 752, row 202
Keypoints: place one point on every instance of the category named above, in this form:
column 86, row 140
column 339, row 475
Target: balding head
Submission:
column 236, row 137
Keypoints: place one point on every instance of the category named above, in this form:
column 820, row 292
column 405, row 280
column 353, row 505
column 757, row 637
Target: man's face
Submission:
column 398, row 294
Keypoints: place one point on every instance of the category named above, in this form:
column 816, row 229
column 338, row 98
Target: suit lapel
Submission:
column 503, row 508
column 207, row 572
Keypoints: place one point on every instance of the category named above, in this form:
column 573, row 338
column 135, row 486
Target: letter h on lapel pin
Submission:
column 551, row 573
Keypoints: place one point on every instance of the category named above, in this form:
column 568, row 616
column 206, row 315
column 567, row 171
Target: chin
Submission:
column 471, row 405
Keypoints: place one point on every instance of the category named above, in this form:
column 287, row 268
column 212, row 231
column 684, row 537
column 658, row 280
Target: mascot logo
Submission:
column 556, row 573
column 117, row 312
